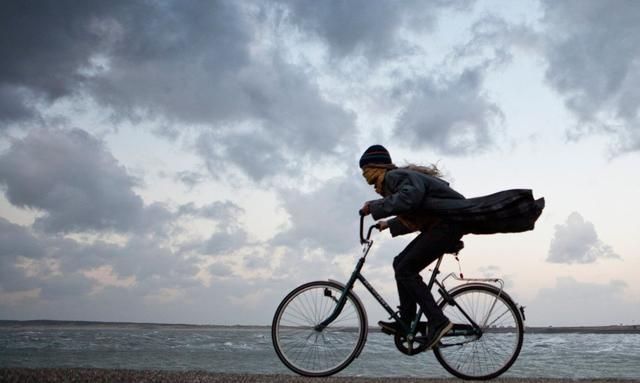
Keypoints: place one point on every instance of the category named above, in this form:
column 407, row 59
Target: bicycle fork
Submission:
column 343, row 298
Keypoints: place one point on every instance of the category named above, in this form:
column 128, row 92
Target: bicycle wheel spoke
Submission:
column 506, row 311
column 299, row 316
column 300, row 308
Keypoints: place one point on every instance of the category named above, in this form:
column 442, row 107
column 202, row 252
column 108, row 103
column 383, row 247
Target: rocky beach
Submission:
column 76, row 375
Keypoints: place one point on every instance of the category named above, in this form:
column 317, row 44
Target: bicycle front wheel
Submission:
column 311, row 352
column 492, row 353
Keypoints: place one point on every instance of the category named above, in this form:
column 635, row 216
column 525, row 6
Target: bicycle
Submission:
column 320, row 327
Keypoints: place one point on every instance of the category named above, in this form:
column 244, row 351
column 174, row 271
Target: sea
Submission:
column 250, row 350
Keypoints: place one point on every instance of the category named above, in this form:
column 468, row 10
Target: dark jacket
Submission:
column 411, row 194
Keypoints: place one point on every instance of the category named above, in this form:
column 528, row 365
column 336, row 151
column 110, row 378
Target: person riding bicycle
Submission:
column 422, row 201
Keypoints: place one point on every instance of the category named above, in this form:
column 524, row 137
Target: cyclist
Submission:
column 421, row 201
column 403, row 191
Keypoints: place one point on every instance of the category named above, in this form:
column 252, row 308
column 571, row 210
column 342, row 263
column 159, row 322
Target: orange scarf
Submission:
column 375, row 176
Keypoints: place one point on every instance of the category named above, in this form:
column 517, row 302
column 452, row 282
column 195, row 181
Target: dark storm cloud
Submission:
column 73, row 179
column 67, row 293
column 18, row 244
column 593, row 50
column 14, row 278
column 13, row 105
column 183, row 62
column 44, row 45
column 152, row 264
column 17, row 241
column 53, row 48
column 454, row 116
column 369, row 28
column 577, row 242
column 292, row 123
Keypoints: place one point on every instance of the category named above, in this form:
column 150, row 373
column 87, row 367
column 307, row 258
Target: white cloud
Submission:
column 373, row 30
column 577, row 242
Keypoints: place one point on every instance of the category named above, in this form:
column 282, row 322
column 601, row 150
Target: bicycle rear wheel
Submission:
column 310, row 352
column 491, row 354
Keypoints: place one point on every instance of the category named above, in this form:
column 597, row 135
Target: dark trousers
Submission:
column 423, row 250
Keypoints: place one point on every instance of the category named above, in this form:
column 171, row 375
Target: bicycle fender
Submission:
column 366, row 319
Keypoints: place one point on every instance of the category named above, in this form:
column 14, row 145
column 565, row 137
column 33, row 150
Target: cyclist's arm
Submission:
column 396, row 227
column 407, row 195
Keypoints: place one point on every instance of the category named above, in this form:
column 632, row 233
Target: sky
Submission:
column 194, row 161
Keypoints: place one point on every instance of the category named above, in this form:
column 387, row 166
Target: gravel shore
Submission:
column 77, row 375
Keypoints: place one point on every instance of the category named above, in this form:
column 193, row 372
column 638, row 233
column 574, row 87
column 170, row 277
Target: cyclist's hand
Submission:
column 365, row 211
column 383, row 225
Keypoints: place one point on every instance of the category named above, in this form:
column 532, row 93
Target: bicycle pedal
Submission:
column 387, row 331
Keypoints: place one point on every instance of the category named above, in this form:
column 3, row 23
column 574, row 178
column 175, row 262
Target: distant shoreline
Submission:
column 13, row 324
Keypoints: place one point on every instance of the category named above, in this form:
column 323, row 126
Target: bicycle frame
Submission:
column 357, row 275
column 320, row 327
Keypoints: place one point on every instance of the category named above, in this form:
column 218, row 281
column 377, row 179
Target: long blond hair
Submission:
column 431, row 170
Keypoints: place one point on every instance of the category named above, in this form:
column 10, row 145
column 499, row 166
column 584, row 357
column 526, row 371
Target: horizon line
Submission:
column 539, row 328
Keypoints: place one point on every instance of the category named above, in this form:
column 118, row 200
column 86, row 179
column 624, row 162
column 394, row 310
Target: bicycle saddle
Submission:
column 455, row 249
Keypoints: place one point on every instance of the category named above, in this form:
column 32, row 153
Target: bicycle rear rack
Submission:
column 497, row 281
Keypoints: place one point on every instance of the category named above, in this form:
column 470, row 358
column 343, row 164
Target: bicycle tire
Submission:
column 497, row 349
column 312, row 353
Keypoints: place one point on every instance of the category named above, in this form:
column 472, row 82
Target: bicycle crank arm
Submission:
column 460, row 329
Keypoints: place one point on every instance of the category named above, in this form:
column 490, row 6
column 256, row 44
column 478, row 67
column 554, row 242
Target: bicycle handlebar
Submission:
column 364, row 240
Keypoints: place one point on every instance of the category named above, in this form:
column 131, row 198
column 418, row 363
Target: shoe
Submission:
column 392, row 328
column 436, row 332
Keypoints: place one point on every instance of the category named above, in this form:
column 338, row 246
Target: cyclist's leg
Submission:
column 408, row 304
column 423, row 250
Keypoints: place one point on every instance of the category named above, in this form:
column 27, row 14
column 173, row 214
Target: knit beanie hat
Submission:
column 375, row 154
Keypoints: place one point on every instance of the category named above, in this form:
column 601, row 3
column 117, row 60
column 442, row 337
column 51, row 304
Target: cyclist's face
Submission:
column 368, row 174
